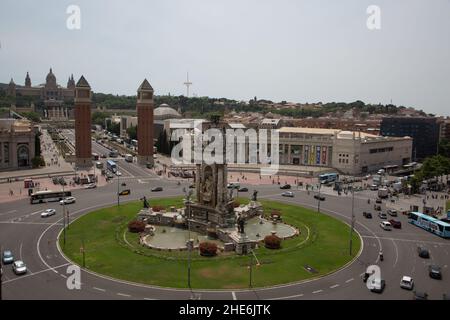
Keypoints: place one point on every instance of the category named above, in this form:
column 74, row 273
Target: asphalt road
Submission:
column 33, row 240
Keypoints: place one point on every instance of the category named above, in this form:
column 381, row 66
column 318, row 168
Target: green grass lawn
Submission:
column 102, row 233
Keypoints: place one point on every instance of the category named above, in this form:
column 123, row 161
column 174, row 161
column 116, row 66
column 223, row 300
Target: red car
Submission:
column 396, row 224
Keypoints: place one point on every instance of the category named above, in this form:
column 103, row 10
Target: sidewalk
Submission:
column 55, row 163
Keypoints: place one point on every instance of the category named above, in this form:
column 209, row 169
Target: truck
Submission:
column 128, row 157
column 383, row 193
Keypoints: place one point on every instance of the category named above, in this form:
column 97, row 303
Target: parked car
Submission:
column 386, row 225
column 321, row 197
column 48, row 213
column 392, row 212
column 367, row 215
column 19, row 267
column 378, row 200
column 407, row 283
column 289, row 194
column 286, row 186
column 423, row 252
column 435, row 272
column 244, row 189
column 420, row 295
column 395, row 224
column 157, row 189
column 90, row 186
column 7, row 257
column 382, row 215
column 68, row 200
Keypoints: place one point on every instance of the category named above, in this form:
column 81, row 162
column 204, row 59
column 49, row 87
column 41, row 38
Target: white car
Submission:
column 90, row 186
column 386, row 225
column 67, row 200
column 19, row 267
column 48, row 213
column 118, row 173
column 407, row 283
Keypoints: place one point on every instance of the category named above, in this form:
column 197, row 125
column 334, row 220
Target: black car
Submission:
column 286, row 186
column 420, row 295
column 378, row 201
column 423, row 252
column 244, row 189
column 435, row 272
column 368, row 215
column 156, row 189
column 321, row 198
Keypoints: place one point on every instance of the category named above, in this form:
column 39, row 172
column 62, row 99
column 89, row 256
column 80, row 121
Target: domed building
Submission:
column 164, row 112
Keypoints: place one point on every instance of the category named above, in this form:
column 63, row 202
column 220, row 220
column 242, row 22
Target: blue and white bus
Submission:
column 328, row 178
column 111, row 166
column 430, row 224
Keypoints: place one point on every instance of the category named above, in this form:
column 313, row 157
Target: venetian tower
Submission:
column 83, row 103
column 144, row 108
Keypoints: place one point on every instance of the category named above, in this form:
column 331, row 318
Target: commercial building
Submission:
column 17, row 144
column 425, row 132
column 347, row 151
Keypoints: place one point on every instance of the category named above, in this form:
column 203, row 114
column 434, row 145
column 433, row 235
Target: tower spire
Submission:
column 187, row 83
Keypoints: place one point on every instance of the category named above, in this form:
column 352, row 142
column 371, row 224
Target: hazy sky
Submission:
column 301, row 51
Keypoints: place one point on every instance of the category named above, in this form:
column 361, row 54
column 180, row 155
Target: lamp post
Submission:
column 118, row 177
column 353, row 218
column 64, row 213
column 318, row 198
column 252, row 256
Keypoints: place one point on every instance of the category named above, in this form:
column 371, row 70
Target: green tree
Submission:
column 132, row 132
column 444, row 148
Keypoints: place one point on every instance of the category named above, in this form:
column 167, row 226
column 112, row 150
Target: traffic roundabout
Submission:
column 99, row 241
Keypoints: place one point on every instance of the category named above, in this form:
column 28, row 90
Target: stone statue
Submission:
column 240, row 224
column 145, row 202
column 255, row 195
column 207, row 189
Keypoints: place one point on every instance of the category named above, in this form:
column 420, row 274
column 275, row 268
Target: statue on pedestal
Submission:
column 240, row 224
column 145, row 202
column 255, row 195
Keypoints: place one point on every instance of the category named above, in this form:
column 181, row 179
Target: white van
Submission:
column 386, row 225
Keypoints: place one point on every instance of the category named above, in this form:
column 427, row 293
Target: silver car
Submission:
column 19, row 267
column 48, row 213
column 407, row 283
column 7, row 257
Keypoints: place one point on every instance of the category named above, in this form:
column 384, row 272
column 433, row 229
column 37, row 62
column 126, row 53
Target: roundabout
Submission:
column 110, row 249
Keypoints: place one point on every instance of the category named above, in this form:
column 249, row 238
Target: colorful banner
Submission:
column 324, row 155
column 306, row 155
column 312, row 155
column 318, row 155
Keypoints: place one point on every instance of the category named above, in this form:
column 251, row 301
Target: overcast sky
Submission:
column 300, row 51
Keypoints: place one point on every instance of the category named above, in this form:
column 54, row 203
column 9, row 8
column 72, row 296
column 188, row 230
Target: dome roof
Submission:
column 164, row 112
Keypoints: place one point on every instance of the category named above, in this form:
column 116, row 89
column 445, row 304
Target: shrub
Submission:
column 37, row 162
column 208, row 249
column 157, row 208
column 136, row 226
column 272, row 242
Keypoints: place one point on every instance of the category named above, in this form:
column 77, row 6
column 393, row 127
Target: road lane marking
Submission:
column 317, row 291
column 149, row 299
column 288, row 297
column 334, row 286
column 396, row 253
column 29, row 223
column 234, row 295
column 123, row 294
column 35, row 273
column 349, row 280
column 99, row 289
column 409, row 240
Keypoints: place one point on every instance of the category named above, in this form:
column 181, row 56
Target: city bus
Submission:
column 328, row 178
column 49, row 196
column 111, row 166
column 430, row 224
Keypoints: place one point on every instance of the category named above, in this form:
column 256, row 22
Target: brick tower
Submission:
column 144, row 108
column 83, row 103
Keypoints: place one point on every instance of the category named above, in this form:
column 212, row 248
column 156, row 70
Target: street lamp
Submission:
column 353, row 217
column 64, row 212
column 318, row 198
column 118, row 177
column 252, row 255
